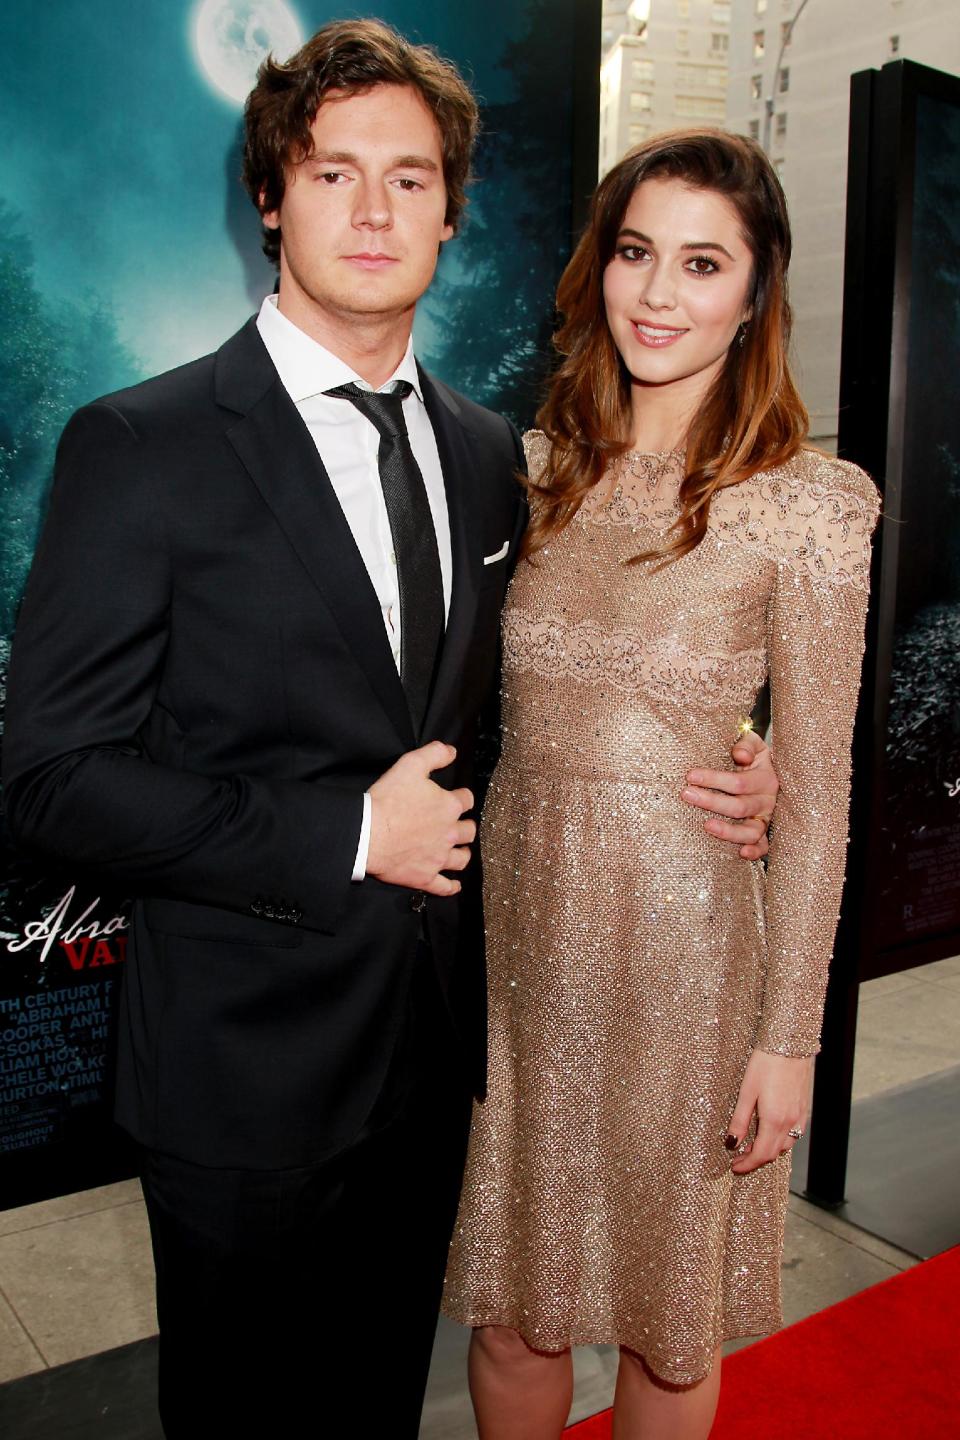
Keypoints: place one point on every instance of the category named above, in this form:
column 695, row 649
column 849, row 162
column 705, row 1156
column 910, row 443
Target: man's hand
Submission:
column 415, row 826
column 747, row 795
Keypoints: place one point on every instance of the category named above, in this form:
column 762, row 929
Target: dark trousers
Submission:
column 290, row 1299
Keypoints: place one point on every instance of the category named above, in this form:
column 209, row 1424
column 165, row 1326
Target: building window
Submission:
column 759, row 44
column 719, row 44
column 786, row 27
column 642, row 72
column 683, row 40
column 638, row 133
column 784, row 80
column 702, row 107
column 760, row 7
column 720, row 14
column 782, row 125
column 639, row 100
column 894, row 44
column 683, row 9
column 754, row 129
column 699, row 77
column 756, row 87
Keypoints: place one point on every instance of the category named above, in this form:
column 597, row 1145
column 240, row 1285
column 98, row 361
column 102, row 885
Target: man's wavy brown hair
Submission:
column 751, row 419
column 349, row 57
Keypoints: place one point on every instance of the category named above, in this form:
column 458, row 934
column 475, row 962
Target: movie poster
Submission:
column 917, row 834
column 128, row 246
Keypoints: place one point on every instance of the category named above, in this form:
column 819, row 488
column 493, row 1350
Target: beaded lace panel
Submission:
column 814, row 515
column 803, row 518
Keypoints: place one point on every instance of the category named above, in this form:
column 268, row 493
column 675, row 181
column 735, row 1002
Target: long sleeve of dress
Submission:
column 816, row 624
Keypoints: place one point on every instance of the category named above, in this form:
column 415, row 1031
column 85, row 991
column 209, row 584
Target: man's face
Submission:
column 362, row 218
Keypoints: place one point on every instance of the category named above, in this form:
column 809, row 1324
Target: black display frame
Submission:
column 875, row 391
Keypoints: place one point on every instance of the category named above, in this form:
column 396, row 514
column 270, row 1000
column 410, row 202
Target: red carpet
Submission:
column 883, row 1365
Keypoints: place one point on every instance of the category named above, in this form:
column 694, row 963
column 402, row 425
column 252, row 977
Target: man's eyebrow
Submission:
column 690, row 245
column 347, row 157
column 331, row 157
column 416, row 162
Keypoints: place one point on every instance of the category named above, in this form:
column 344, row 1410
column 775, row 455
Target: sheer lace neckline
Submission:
column 641, row 489
column 653, row 454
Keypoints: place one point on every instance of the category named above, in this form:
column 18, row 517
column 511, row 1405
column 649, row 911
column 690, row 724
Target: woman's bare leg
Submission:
column 517, row 1393
column 645, row 1408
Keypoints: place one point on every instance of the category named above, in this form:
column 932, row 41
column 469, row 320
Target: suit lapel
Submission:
column 454, row 446
column 276, row 449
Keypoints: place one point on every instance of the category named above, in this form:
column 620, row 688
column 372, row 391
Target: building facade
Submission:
column 616, row 22
column 665, row 66
column 810, row 89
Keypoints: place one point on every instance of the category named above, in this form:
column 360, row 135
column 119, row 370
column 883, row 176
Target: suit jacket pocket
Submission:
column 497, row 555
column 225, row 927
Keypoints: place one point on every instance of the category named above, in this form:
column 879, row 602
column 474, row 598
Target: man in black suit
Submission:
column 284, row 625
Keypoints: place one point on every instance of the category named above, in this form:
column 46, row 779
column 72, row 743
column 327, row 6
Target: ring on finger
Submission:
column 795, row 1133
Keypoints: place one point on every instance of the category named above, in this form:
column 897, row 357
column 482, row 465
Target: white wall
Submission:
column 833, row 39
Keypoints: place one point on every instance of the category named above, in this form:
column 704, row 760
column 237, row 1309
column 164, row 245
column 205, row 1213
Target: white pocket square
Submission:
column 501, row 553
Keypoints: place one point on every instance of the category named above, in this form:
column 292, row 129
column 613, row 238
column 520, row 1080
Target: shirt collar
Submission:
column 306, row 368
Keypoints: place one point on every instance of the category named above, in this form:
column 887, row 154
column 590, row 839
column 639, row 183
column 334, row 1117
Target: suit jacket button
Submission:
column 418, row 902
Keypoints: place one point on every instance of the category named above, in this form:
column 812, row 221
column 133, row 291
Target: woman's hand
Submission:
column 777, row 1089
column 746, row 795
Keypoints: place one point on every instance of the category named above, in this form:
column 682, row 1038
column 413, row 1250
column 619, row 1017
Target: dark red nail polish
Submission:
column 731, row 1142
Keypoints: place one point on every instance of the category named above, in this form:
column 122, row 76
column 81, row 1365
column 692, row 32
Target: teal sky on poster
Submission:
column 121, row 151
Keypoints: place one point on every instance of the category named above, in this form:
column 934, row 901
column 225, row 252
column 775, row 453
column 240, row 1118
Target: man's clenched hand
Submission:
column 416, row 829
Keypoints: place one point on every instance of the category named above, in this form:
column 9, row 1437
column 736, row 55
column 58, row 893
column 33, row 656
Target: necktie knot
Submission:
column 383, row 409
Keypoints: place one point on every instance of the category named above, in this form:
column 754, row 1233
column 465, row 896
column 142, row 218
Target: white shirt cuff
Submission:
column 363, row 847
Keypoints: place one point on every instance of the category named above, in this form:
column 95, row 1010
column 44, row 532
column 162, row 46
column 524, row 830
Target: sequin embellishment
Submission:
column 633, row 960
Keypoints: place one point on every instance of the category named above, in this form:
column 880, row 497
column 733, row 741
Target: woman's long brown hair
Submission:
column 752, row 417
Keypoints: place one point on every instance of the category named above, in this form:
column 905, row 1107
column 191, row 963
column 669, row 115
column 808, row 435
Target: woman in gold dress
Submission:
column 655, row 1003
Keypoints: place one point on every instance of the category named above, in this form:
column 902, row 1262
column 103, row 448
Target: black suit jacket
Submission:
column 200, row 691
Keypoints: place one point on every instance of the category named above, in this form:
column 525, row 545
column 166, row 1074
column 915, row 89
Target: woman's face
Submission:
column 676, row 289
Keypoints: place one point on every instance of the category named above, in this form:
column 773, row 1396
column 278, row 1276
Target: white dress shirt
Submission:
column 348, row 443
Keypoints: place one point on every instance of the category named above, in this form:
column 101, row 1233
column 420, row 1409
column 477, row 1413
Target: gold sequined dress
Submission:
column 634, row 961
